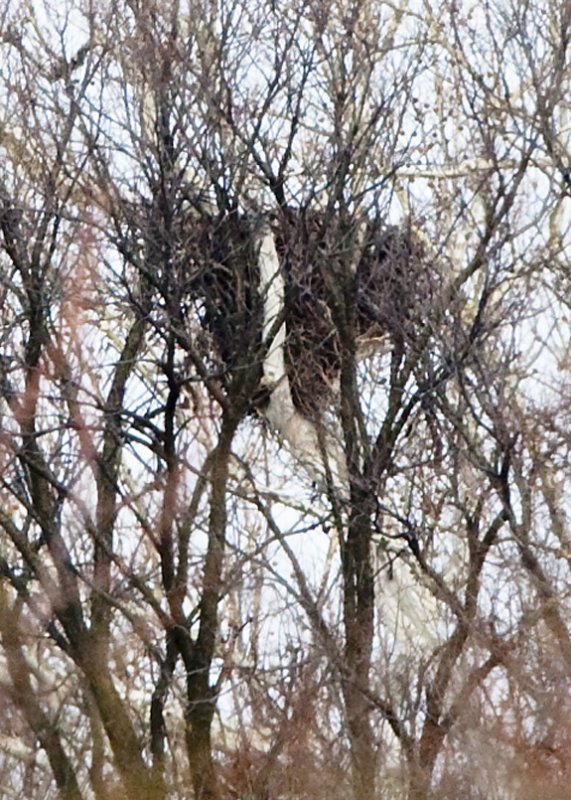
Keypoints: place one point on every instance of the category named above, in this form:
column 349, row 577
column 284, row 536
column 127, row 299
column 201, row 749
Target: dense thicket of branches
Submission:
column 284, row 400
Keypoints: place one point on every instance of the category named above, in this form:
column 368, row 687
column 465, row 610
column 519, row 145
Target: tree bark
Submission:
column 201, row 696
column 359, row 621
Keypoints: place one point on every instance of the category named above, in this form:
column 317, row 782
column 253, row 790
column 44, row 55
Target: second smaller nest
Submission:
column 345, row 283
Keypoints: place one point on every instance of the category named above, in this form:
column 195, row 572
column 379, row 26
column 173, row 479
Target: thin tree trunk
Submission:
column 359, row 628
column 201, row 696
column 26, row 699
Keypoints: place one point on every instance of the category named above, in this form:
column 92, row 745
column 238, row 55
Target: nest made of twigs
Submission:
column 336, row 274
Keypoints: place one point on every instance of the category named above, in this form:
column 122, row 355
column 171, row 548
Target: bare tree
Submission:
column 283, row 372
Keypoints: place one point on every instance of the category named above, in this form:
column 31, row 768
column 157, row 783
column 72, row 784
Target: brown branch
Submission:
column 45, row 730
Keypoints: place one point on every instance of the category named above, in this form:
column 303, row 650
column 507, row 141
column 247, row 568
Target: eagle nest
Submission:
column 344, row 285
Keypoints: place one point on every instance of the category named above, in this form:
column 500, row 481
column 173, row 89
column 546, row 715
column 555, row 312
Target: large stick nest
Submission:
column 346, row 285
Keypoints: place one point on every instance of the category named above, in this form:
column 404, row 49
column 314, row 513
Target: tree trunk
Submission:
column 201, row 697
column 359, row 627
